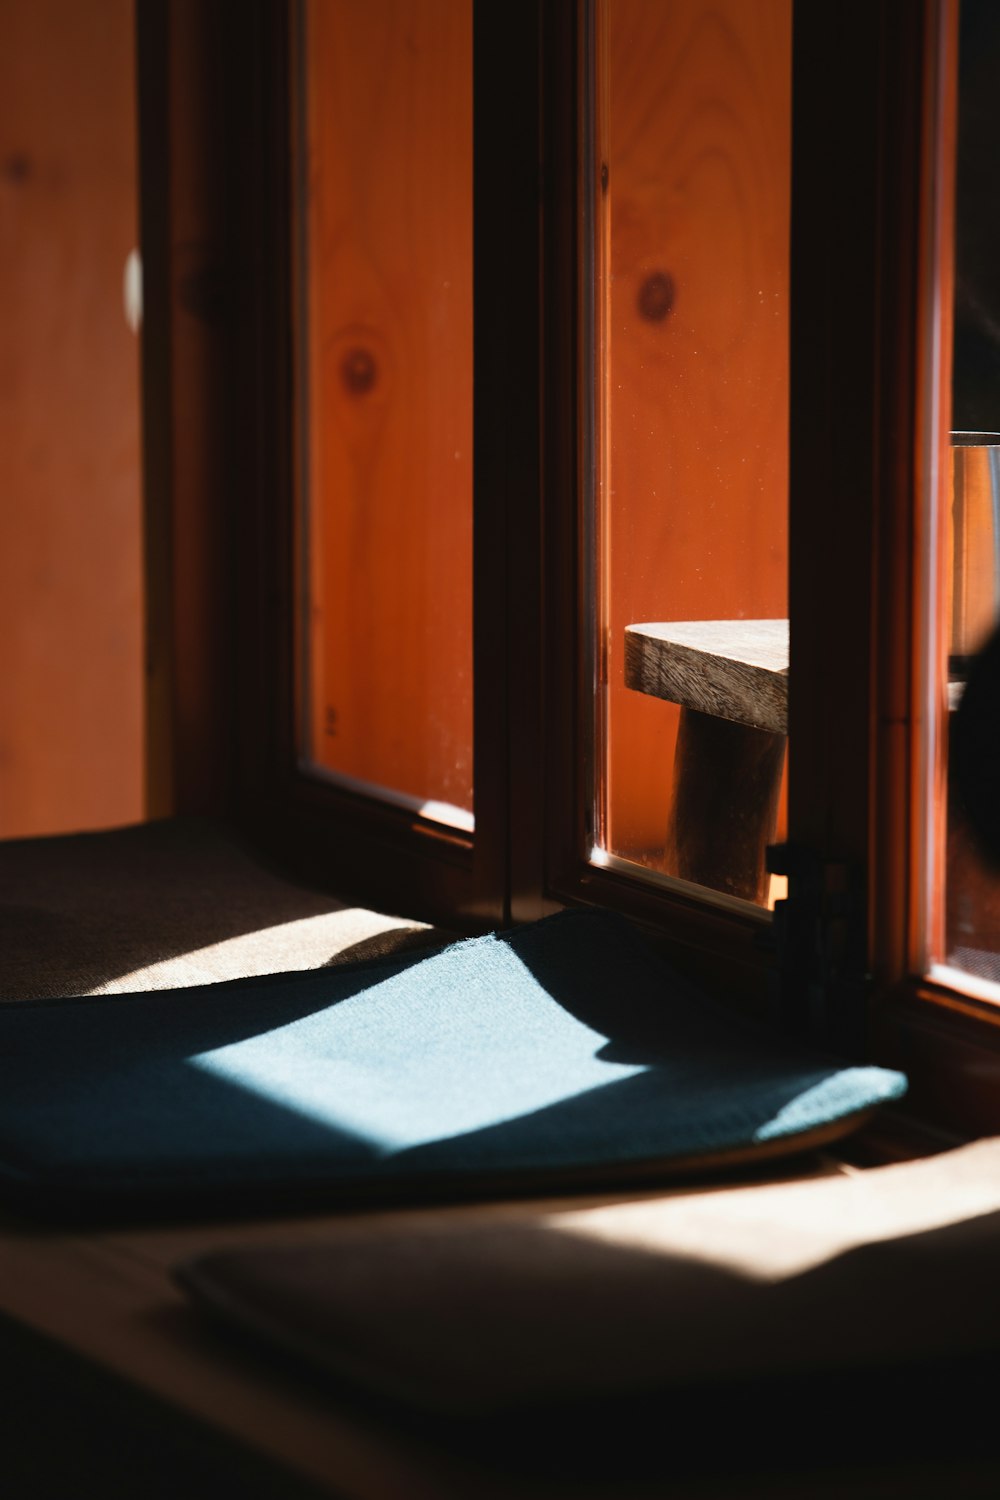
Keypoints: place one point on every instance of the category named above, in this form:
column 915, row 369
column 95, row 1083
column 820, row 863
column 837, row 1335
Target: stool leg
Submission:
column 727, row 780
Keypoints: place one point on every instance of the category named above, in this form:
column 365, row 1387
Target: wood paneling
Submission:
column 70, row 628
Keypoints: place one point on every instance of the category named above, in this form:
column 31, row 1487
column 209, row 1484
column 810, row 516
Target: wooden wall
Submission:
column 70, row 586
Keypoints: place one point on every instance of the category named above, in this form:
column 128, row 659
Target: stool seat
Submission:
column 730, row 678
column 732, row 669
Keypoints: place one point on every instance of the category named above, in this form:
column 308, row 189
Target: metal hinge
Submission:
column 821, row 976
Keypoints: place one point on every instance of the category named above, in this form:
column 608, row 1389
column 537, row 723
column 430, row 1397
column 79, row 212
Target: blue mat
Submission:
column 565, row 1051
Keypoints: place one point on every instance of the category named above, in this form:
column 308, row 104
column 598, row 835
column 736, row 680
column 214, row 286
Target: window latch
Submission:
column 820, row 980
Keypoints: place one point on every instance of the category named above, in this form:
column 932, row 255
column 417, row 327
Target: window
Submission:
column 943, row 1016
column 686, row 259
column 872, row 101
column 967, row 930
column 384, row 218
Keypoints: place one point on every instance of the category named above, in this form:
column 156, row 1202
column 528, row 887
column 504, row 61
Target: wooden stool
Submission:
column 731, row 679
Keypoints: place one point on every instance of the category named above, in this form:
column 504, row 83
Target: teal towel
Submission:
column 563, row 1051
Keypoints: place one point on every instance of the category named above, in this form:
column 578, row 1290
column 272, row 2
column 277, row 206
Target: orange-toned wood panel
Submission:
column 70, row 628
column 696, row 130
column 389, row 401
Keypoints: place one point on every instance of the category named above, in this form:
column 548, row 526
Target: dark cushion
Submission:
column 726, row 1288
column 560, row 1052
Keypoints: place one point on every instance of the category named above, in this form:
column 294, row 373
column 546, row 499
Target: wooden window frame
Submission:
column 871, row 182
column 867, row 782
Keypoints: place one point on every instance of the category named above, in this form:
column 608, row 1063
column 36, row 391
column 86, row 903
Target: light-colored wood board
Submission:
column 731, row 669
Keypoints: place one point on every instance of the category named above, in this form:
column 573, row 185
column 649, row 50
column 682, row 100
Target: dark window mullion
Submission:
column 507, row 314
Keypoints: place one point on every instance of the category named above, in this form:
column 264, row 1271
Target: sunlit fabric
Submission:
column 357, row 1069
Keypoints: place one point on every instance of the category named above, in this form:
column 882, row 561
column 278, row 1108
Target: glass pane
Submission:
column 386, row 398
column 691, row 189
column 972, row 907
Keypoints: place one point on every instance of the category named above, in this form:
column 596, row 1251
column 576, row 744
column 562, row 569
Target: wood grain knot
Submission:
column 359, row 371
column 17, row 167
column 656, row 296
